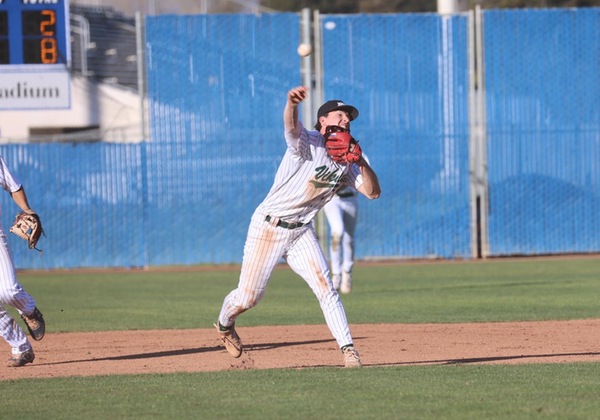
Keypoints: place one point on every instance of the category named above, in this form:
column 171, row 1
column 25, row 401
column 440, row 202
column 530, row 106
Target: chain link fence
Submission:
column 216, row 85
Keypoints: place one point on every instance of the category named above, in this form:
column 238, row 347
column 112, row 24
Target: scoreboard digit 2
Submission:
column 33, row 32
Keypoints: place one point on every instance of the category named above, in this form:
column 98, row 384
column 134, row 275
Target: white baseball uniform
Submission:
column 11, row 291
column 281, row 227
column 342, row 215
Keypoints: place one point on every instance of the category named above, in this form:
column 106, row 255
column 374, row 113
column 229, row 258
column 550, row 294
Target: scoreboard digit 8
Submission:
column 33, row 32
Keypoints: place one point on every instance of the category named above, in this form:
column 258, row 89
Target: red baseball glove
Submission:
column 341, row 146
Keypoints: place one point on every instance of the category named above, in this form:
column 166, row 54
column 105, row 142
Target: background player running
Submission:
column 281, row 226
column 342, row 215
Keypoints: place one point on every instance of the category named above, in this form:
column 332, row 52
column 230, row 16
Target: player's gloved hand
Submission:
column 355, row 152
column 341, row 146
column 28, row 226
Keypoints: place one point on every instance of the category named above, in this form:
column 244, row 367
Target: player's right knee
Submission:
column 249, row 301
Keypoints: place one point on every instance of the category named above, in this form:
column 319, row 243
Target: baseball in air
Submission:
column 304, row 50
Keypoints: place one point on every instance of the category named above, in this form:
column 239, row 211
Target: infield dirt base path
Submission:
column 197, row 350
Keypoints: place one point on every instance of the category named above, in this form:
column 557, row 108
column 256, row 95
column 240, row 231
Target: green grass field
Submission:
column 499, row 290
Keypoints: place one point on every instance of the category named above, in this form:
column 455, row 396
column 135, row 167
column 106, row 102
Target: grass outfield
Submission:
column 557, row 391
column 523, row 290
column 529, row 289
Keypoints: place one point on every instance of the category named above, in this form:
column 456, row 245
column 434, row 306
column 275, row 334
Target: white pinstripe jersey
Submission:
column 347, row 191
column 306, row 178
column 7, row 181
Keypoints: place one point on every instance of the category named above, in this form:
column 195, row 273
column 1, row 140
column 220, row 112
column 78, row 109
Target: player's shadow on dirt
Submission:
column 183, row 352
column 270, row 346
column 522, row 356
column 485, row 359
column 169, row 353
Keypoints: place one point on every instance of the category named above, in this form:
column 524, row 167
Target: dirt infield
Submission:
column 166, row 351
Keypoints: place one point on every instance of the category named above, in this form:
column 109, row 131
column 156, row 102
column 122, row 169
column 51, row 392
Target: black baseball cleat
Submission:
column 35, row 324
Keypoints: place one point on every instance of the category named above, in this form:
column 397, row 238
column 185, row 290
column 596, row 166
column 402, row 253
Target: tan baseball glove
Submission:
column 29, row 227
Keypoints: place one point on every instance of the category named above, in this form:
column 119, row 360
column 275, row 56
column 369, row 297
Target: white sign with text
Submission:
column 35, row 90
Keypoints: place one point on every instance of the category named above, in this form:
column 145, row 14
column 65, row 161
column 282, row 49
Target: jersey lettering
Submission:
column 325, row 178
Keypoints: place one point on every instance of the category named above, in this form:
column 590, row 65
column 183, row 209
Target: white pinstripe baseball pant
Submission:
column 265, row 246
column 12, row 294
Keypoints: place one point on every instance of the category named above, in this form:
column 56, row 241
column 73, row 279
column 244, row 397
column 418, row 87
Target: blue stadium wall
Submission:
column 217, row 87
column 542, row 72
column 407, row 74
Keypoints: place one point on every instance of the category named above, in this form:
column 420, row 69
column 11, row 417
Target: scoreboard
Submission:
column 33, row 32
column 34, row 54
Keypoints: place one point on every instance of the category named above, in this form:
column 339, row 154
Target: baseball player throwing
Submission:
column 11, row 291
column 317, row 163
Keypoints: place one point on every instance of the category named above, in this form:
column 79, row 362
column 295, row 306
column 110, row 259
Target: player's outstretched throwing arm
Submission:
column 290, row 112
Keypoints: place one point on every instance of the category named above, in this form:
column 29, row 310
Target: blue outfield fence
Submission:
column 89, row 197
column 543, row 129
column 217, row 87
column 407, row 74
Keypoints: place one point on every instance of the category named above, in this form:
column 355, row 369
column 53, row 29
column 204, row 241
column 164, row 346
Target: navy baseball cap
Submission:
column 334, row 105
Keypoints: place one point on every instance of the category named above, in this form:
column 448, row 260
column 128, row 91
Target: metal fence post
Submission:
column 141, row 73
column 311, row 70
column 477, row 142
